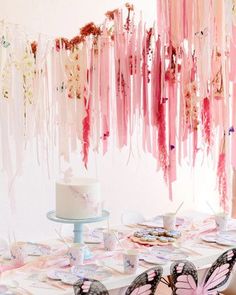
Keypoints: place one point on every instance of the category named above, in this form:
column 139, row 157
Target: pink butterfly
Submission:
column 145, row 284
column 185, row 278
column 86, row 286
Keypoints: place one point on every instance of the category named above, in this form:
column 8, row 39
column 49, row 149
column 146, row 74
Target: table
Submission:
column 202, row 256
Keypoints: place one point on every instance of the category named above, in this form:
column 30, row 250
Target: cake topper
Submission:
column 68, row 175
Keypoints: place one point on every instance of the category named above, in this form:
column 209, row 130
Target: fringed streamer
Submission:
column 222, row 183
column 105, row 90
column 147, row 59
column 206, row 122
column 159, row 111
column 86, row 130
column 171, row 85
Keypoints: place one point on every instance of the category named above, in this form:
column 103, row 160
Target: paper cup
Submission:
column 221, row 220
column 18, row 254
column 109, row 240
column 130, row 259
column 169, row 221
column 76, row 254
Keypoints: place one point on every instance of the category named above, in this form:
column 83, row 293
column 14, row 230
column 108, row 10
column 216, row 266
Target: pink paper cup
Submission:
column 221, row 220
column 76, row 254
column 18, row 254
column 169, row 221
column 130, row 259
column 109, row 240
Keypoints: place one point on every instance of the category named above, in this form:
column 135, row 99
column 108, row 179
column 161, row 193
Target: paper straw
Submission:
column 108, row 224
column 9, row 238
column 177, row 210
column 14, row 236
column 61, row 238
column 119, row 242
column 214, row 212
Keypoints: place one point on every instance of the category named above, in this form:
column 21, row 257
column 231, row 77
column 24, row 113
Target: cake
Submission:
column 78, row 198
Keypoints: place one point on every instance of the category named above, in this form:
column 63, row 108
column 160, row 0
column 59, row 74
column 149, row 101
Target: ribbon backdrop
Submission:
column 174, row 82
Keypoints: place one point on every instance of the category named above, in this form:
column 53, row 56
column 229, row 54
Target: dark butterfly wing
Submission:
column 4, row 42
column 146, row 282
column 202, row 33
column 220, row 271
column 86, row 286
column 184, row 277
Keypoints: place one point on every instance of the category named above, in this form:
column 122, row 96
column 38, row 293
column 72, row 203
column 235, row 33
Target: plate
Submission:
column 227, row 238
column 35, row 249
column 154, row 260
column 229, row 235
column 225, row 242
column 54, row 274
column 209, row 238
column 91, row 271
column 68, row 278
column 169, row 253
column 83, row 268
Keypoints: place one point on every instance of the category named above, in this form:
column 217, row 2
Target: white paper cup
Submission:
column 18, row 254
column 221, row 220
column 109, row 240
column 130, row 259
column 169, row 221
column 76, row 254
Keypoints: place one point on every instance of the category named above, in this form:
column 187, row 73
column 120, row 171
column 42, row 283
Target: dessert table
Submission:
column 32, row 278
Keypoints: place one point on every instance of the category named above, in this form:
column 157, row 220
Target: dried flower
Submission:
column 111, row 14
column 34, row 46
column 90, row 29
column 62, row 42
column 129, row 6
column 76, row 40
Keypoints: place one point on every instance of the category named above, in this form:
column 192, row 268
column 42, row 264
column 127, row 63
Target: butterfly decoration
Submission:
column 72, row 257
column 62, row 87
column 201, row 34
column 146, row 283
column 185, row 278
column 13, row 256
column 129, row 264
column 90, row 287
column 4, row 42
column 231, row 130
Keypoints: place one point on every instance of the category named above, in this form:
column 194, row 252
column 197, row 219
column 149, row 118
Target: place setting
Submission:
column 223, row 235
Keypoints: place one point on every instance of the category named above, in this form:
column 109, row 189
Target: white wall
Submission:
column 136, row 185
column 60, row 17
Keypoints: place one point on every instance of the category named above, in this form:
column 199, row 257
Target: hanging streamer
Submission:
column 171, row 83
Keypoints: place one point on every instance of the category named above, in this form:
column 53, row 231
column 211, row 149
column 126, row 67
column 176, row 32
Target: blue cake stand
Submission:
column 78, row 223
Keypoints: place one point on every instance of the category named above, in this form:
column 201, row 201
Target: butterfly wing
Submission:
column 184, row 277
column 146, row 283
column 4, row 42
column 220, row 271
column 86, row 286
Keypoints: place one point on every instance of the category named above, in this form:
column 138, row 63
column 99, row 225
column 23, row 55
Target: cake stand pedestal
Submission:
column 78, row 223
